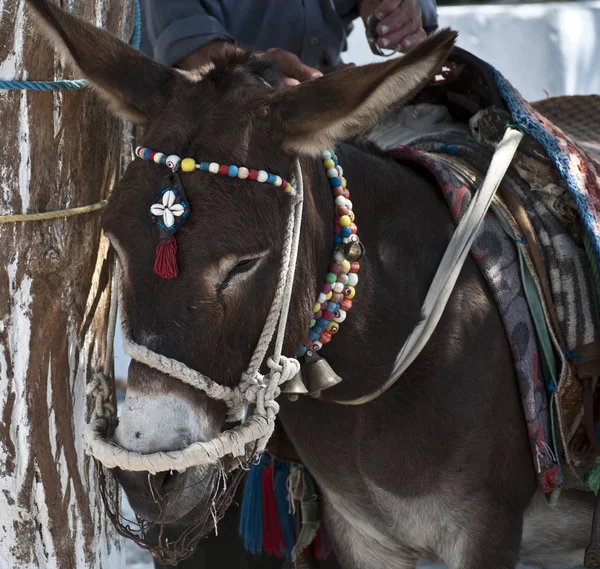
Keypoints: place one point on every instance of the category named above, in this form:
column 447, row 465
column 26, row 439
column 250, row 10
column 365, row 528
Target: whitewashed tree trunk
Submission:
column 57, row 151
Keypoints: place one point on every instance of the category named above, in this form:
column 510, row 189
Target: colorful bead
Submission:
column 253, row 174
column 317, row 346
column 335, row 182
column 262, row 176
column 354, row 267
column 317, row 307
column 340, row 316
column 331, row 278
column 344, row 182
column 158, row 157
column 278, row 181
column 332, row 306
column 342, row 210
column 325, row 155
column 339, row 193
column 313, row 334
column 349, row 292
column 173, row 161
column 233, row 171
column 323, row 322
column 301, row 351
column 332, row 173
column 243, row 173
column 223, row 169
column 326, row 288
column 340, row 201
column 328, row 295
column 333, row 327
column 329, row 163
column 325, row 337
column 204, row 166
column 213, row 168
column 313, row 322
column 270, row 178
column 321, row 298
column 188, row 165
column 337, row 297
column 338, row 287
column 341, row 277
column 345, row 232
column 352, row 279
column 346, row 304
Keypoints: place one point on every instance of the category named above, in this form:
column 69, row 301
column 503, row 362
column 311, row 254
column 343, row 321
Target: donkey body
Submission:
column 437, row 468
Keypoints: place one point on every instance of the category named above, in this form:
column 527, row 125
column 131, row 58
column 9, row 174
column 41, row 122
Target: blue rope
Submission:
column 71, row 84
column 66, row 85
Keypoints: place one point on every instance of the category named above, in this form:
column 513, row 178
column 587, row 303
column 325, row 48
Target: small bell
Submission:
column 294, row 387
column 318, row 374
column 354, row 250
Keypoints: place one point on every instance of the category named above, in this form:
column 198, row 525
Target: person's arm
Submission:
column 178, row 28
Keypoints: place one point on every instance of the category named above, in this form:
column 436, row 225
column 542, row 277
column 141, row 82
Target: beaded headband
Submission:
column 171, row 209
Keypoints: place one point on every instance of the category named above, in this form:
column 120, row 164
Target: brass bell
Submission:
column 318, row 374
column 354, row 250
column 294, row 387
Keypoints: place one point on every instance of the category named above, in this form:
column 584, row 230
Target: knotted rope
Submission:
column 254, row 388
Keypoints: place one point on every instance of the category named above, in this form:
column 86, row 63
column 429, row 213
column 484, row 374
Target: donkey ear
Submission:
column 318, row 113
column 135, row 86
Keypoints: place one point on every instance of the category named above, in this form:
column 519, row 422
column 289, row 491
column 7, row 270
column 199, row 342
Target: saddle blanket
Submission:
column 551, row 335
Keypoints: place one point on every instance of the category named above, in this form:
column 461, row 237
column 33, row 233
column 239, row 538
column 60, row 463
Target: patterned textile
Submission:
column 498, row 260
column 578, row 169
column 551, row 394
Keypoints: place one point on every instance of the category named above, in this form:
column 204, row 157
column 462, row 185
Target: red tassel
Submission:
column 272, row 538
column 165, row 265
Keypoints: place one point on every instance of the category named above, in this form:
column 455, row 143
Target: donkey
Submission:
column 437, row 468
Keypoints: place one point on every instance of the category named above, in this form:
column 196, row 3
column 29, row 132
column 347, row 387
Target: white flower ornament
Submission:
column 169, row 210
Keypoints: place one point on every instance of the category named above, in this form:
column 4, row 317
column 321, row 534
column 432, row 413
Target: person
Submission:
column 306, row 37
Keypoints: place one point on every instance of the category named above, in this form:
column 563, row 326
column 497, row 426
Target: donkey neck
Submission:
column 405, row 226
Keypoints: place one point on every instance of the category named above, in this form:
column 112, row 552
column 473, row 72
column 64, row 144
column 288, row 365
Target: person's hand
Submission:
column 294, row 71
column 400, row 24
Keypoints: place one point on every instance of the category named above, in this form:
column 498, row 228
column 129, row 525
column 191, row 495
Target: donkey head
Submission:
column 232, row 111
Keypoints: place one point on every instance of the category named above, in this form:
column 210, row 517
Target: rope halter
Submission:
column 250, row 437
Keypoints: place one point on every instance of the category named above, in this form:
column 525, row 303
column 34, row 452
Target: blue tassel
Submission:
column 287, row 520
column 251, row 519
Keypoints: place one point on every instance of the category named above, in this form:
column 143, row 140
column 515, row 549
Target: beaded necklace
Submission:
column 170, row 209
column 335, row 297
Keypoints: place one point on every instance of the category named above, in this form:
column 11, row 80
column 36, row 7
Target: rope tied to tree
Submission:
column 71, row 84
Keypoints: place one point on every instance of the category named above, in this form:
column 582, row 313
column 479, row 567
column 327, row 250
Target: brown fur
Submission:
column 446, row 449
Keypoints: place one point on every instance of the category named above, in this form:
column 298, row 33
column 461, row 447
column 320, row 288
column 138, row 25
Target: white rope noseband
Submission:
column 254, row 388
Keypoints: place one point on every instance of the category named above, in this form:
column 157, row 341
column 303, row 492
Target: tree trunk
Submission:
column 58, row 150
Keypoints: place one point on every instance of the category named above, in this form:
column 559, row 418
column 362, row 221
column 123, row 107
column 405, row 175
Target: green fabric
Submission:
column 311, row 510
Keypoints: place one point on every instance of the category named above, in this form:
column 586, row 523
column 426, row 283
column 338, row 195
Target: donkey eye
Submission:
column 243, row 266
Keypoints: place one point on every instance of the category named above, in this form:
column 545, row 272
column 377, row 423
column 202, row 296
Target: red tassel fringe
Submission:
column 272, row 538
column 165, row 265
